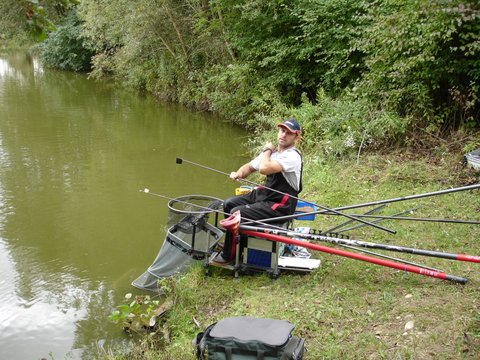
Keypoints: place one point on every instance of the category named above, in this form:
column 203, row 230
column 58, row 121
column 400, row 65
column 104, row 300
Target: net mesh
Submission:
column 191, row 236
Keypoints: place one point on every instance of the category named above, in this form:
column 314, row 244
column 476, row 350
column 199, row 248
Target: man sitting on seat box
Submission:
column 282, row 164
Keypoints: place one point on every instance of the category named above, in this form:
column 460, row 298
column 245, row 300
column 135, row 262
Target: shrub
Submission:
column 64, row 48
column 423, row 60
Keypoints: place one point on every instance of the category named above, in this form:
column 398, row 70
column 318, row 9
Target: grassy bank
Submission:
column 349, row 309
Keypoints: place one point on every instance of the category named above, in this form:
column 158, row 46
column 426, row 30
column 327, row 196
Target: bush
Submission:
column 423, row 60
column 64, row 48
column 345, row 125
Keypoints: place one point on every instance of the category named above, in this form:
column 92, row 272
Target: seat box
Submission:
column 260, row 252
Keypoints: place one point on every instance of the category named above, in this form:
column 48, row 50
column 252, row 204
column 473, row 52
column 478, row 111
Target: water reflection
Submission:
column 36, row 320
column 74, row 228
column 6, row 69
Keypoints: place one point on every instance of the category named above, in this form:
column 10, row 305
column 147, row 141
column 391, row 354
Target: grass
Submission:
column 349, row 309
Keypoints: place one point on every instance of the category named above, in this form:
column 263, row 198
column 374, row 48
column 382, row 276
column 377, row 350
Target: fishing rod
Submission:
column 309, row 245
column 180, row 161
column 377, row 220
column 388, row 257
column 350, row 221
column 379, row 202
column 395, row 217
column 382, row 217
column 147, row 191
column 334, row 240
column 373, row 260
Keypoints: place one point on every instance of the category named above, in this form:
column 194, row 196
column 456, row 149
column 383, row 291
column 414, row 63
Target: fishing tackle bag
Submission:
column 247, row 338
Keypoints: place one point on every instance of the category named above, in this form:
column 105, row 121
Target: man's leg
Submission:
column 256, row 211
column 234, row 202
column 237, row 200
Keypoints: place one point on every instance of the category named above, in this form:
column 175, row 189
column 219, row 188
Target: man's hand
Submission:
column 269, row 146
column 234, row 175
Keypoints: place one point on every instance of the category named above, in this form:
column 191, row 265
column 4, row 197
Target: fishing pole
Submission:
column 395, row 217
column 147, row 191
column 377, row 220
column 180, row 161
column 424, row 270
column 334, row 240
column 389, row 257
column 350, row 221
column 391, row 264
column 379, row 202
column 205, row 208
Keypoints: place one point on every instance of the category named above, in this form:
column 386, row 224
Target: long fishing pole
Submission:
column 345, row 223
column 389, row 257
column 334, row 240
column 147, row 191
column 396, row 217
column 205, row 208
column 379, row 202
column 391, row 264
column 233, row 224
column 377, row 220
column 180, row 161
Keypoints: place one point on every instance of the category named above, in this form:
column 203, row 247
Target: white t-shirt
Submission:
column 291, row 163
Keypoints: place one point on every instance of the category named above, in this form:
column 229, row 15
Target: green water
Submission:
column 75, row 230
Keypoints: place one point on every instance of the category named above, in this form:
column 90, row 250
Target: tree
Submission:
column 423, row 59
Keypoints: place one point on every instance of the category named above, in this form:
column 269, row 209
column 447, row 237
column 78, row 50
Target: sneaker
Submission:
column 220, row 260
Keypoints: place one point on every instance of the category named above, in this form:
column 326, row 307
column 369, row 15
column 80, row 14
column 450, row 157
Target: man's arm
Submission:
column 267, row 165
column 243, row 172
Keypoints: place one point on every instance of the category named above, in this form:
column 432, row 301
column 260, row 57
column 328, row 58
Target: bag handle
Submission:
column 199, row 343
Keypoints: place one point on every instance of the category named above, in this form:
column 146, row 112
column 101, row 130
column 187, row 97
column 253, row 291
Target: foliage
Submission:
column 32, row 18
column 231, row 91
column 423, row 59
column 164, row 53
column 12, row 19
column 298, row 46
column 137, row 315
column 383, row 68
column 358, row 74
column 64, row 48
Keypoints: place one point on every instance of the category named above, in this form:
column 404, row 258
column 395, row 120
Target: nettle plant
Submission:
column 137, row 315
column 141, row 313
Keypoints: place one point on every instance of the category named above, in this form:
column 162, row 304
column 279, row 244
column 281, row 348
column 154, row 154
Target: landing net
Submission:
column 191, row 236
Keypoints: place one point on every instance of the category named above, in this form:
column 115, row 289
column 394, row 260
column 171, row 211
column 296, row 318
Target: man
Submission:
column 282, row 164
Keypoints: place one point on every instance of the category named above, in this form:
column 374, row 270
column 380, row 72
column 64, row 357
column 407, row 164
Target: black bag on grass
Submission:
column 247, row 338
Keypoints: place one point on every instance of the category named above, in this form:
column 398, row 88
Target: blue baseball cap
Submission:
column 291, row 125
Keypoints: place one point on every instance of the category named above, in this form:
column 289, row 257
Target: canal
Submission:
column 75, row 230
